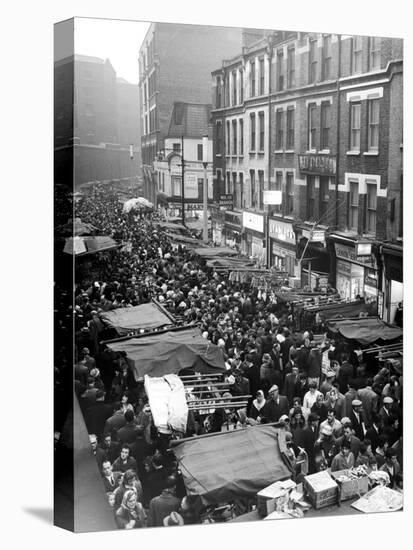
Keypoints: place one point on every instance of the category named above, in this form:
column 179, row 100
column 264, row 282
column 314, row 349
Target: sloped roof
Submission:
column 189, row 120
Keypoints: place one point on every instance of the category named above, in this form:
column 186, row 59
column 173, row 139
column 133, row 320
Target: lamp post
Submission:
column 205, row 186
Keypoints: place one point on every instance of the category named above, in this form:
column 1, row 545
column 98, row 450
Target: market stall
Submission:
column 86, row 245
column 226, row 466
column 365, row 330
column 170, row 352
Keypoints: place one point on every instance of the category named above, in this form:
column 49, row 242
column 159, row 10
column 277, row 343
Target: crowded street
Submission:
column 334, row 406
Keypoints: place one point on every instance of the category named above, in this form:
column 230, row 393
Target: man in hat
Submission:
column 386, row 412
column 326, row 445
column 357, row 419
column 162, row 505
column 328, row 382
column 276, row 405
column 369, row 400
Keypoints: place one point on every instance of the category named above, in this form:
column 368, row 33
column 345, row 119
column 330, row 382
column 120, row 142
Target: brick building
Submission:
column 333, row 120
column 175, row 64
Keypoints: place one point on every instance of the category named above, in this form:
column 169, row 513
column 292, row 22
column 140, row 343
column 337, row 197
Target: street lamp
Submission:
column 205, row 164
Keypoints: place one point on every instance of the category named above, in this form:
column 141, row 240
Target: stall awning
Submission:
column 173, row 227
column 126, row 320
column 215, row 251
column 229, row 465
column 342, row 309
column 170, row 352
column 365, row 331
column 82, row 246
column 182, row 239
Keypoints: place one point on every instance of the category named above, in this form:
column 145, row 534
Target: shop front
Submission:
column 392, row 287
column 356, row 269
column 232, row 228
column 253, row 243
column 218, row 220
column 281, row 245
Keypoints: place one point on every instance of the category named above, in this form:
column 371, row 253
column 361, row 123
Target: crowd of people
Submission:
column 338, row 411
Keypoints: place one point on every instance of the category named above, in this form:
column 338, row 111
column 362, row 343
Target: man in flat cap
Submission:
column 358, row 421
column 276, row 405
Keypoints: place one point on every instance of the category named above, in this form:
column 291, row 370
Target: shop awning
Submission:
column 365, row 331
column 170, row 352
column 341, row 309
column 173, row 227
column 229, row 263
column 126, row 320
column 228, row 465
column 182, row 239
column 215, row 251
column 82, row 246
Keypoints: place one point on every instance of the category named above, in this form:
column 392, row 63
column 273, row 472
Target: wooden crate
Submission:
column 352, row 487
column 321, row 489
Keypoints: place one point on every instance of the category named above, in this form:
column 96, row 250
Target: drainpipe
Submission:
column 338, row 124
column 270, row 54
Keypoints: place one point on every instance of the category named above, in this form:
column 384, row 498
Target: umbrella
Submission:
column 139, row 202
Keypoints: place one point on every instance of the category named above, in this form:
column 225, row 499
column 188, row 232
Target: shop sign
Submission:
column 253, row 221
column 348, row 253
column 281, row 231
column 318, row 164
column 272, row 197
column 344, row 268
column 227, row 201
column 233, row 218
column 315, row 235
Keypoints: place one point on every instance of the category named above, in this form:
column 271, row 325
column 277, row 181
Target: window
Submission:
column 234, row 187
column 253, row 190
column 228, row 139
column 354, row 205
column 261, row 130
column 279, row 136
column 356, row 54
column 228, row 182
column 234, row 87
column 227, row 91
column 200, row 189
column 241, row 186
column 262, row 76
column 241, row 86
column 219, row 93
column 374, row 53
column 200, row 151
column 326, row 68
column 176, row 147
column 176, row 186
column 310, row 197
column 373, row 124
column 355, row 111
column 291, row 67
column 252, row 133
column 178, row 113
column 280, row 70
column 234, row 137
column 219, row 138
column 312, row 62
column 289, row 192
column 252, row 79
column 325, row 125
column 312, row 129
column 260, row 189
column 290, row 127
column 241, row 136
column 324, row 197
column 371, row 208
column 278, row 187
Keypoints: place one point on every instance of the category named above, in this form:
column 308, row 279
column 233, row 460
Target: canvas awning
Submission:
column 365, row 331
column 343, row 309
column 215, row 251
column 173, row 227
column 182, row 239
column 170, row 352
column 228, row 465
column 82, row 246
column 129, row 319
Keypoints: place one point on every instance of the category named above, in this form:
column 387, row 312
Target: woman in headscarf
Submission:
column 256, row 406
column 130, row 514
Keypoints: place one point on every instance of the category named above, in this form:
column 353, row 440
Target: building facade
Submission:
column 332, row 139
column 175, row 64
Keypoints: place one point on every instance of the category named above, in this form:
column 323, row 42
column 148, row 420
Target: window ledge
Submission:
column 241, row 156
column 252, row 152
column 311, row 152
column 324, row 152
column 371, row 154
column 261, row 152
column 218, row 155
column 289, row 151
column 353, row 153
column 278, row 151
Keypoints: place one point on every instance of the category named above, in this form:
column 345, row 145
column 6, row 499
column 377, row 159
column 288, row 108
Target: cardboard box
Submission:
column 351, row 487
column 274, row 496
column 321, row 489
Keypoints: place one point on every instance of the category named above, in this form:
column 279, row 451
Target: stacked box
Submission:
column 352, row 487
column 321, row 489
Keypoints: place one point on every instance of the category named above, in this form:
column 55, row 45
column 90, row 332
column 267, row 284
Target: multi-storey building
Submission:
column 333, row 120
column 188, row 125
column 175, row 64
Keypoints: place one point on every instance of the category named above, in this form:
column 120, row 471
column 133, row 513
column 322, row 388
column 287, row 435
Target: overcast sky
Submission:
column 114, row 39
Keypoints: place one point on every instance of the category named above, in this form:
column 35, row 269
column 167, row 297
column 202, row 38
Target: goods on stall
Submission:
column 352, row 482
column 321, row 489
column 168, row 403
column 274, row 497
